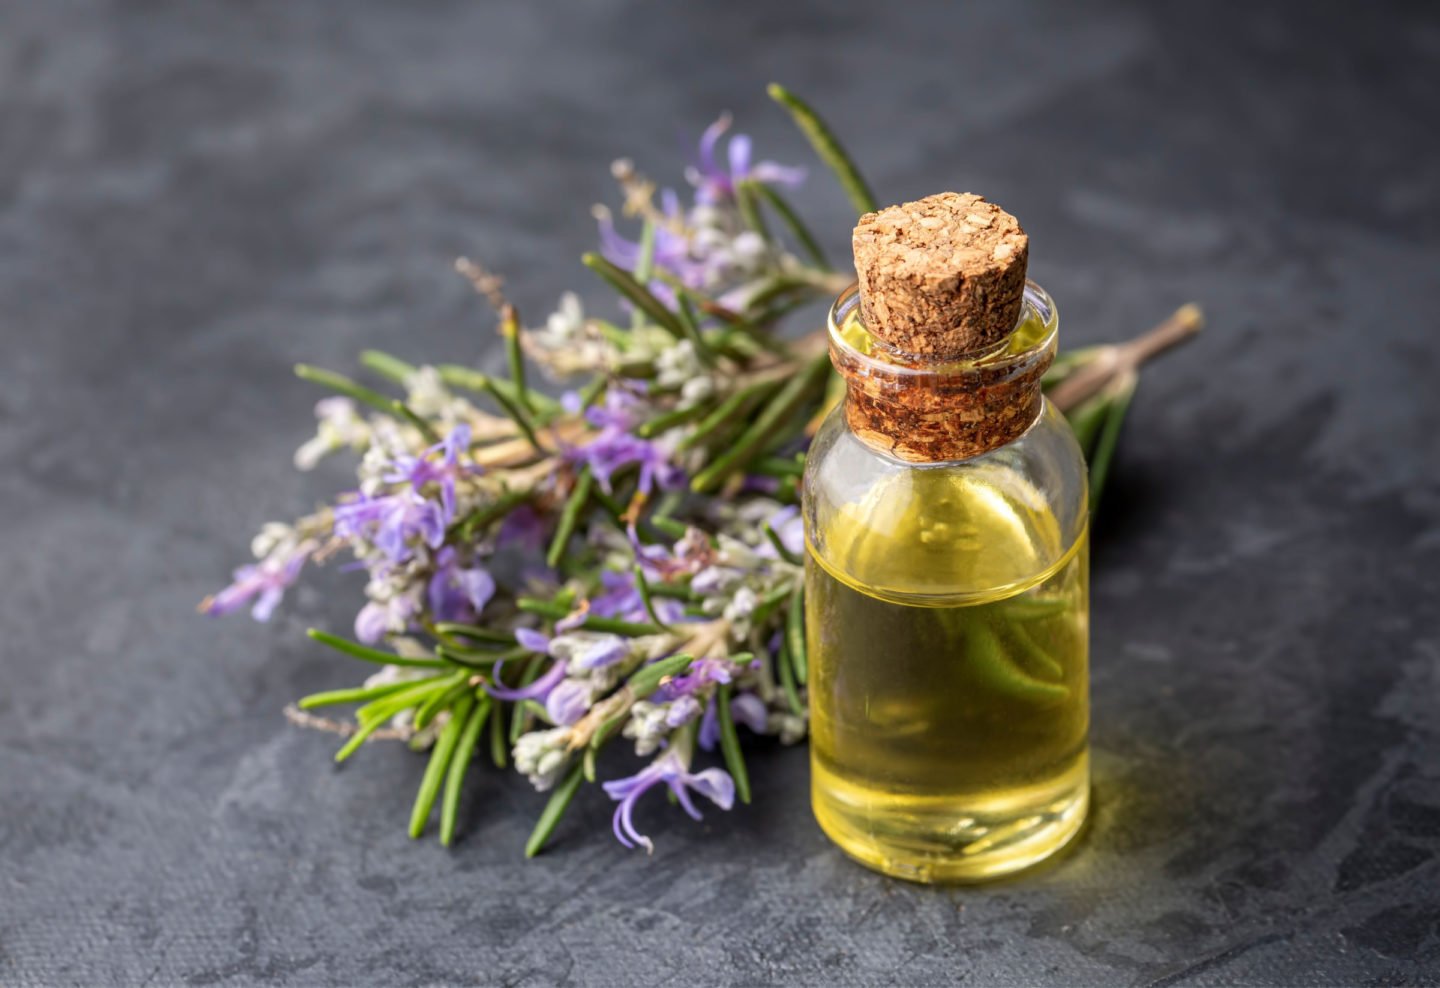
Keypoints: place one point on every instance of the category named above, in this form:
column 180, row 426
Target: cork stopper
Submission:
column 940, row 277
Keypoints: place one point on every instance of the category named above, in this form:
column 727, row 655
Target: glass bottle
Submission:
column 947, row 607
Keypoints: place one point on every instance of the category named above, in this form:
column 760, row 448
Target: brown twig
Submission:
column 1114, row 361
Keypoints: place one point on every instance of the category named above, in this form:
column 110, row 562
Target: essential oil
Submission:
column 946, row 586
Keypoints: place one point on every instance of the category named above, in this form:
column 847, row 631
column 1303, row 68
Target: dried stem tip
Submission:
column 942, row 276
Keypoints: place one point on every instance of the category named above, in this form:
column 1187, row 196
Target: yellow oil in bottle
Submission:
column 947, row 622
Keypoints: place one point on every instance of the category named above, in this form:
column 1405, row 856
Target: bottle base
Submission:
column 953, row 839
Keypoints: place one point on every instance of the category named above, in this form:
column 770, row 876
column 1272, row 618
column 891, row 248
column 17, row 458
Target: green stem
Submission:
column 361, row 694
column 404, row 411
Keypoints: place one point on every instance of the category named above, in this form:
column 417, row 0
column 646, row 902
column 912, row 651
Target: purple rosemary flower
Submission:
column 417, row 471
column 621, row 599
column 583, row 650
column 391, row 521
column 672, row 249
column 377, row 619
column 615, row 447
column 457, row 593
column 263, row 582
column 715, row 182
column 713, row 783
column 745, row 708
column 538, row 690
column 702, row 672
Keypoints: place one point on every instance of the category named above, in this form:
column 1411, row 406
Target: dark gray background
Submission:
column 195, row 196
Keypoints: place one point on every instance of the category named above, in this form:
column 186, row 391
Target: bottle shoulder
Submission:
column 960, row 527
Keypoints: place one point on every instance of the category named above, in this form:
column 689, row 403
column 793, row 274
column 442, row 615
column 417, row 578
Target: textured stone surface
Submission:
column 194, row 196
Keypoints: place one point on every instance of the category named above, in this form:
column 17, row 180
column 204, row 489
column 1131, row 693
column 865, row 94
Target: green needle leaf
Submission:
column 459, row 765
column 792, row 220
column 474, row 633
column 497, row 738
column 787, row 681
column 1104, row 454
column 362, row 694
column 569, row 518
column 438, row 767
column 827, row 147
column 510, row 331
column 746, row 200
column 726, row 412
column 554, row 810
column 367, row 654
column 405, row 412
column 730, row 744
column 780, row 547
column 795, row 635
column 763, row 430
column 341, row 384
column 509, row 401
column 643, row 586
column 456, row 376
column 387, row 365
column 647, row 679
column 638, row 295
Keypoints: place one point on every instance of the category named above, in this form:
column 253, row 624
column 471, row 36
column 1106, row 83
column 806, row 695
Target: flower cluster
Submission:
column 658, row 616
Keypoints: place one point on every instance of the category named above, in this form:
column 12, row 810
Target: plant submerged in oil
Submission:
column 622, row 564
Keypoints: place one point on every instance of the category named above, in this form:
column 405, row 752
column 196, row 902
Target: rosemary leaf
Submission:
column 1121, row 396
column 438, row 767
column 746, row 200
column 387, row 365
column 792, row 220
column 459, row 765
column 428, row 710
column 367, row 654
column 786, row 669
column 474, row 633
column 569, row 518
column 456, row 376
column 643, row 586
column 795, row 634
column 407, row 413
column 647, row 679
column 780, row 548
column 726, row 412
column 510, row 403
column 519, row 713
column 827, row 147
column 341, row 384
column 763, row 430
column 630, row 629
column 554, row 810
column 730, row 744
column 361, row 694
column 510, row 331
column 490, row 513
column 669, row 420
column 497, row 738
column 638, row 295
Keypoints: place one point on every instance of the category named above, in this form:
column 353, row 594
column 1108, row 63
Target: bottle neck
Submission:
column 926, row 412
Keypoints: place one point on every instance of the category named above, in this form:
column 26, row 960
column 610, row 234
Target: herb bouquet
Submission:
column 621, row 564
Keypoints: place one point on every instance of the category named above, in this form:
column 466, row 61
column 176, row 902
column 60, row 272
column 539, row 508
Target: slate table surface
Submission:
column 194, row 196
